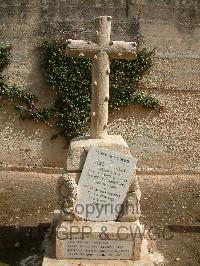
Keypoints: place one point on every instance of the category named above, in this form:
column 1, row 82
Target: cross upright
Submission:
column 101, row 50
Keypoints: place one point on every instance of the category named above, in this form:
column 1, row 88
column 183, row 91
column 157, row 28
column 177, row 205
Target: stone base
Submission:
column 99, row 240
column 146, row 259
column 70, row 262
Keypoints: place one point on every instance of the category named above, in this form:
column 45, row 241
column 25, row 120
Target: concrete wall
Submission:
column 165, row 141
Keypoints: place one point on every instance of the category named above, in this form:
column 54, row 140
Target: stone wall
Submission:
column 165, row 141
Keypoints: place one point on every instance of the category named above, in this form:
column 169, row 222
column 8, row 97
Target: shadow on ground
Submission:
column 22, row 245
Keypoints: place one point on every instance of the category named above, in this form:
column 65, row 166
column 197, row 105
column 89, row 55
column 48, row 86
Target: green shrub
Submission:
column 71, row 79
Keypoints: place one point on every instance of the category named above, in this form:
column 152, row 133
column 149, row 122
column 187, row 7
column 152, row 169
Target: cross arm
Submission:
column 122, row 50
column 80, row 48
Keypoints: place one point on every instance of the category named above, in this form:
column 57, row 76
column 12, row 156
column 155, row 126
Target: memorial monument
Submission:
column 98, row 193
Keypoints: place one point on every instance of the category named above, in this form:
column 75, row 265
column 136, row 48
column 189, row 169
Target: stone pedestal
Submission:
column 99, row 240
column 140, row 254
column 139, row 249
column 79, row 239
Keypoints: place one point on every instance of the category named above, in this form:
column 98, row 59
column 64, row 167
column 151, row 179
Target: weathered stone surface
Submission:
column 79, row 147
column 62, row 190
column 131, row 208
column 130, row 211
column 105, row 240
column 134, row 184
column 101, row 50
column 67, row 190
column 146, row 258
column 78, row 262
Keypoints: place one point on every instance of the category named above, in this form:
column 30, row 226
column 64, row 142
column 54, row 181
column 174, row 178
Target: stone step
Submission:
column 77, row 262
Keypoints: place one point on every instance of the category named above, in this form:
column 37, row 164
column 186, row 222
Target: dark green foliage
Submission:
column 4, row 56
column 125, row 78
column 71, row 80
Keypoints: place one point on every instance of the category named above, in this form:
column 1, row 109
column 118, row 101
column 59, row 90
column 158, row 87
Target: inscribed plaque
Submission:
column 103, row 184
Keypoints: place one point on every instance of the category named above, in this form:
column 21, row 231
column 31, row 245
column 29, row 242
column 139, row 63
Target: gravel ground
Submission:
column 170, row 211
column 171, row 208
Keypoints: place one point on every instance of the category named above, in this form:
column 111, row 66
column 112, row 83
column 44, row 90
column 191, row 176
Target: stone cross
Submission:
column 101, row 50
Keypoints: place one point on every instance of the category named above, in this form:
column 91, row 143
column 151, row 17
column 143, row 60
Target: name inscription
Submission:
column 97, row 249
column 103, row 184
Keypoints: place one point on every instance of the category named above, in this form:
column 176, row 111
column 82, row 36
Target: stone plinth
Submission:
column 146, row 259
column 80, row 262
column 99, row 240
